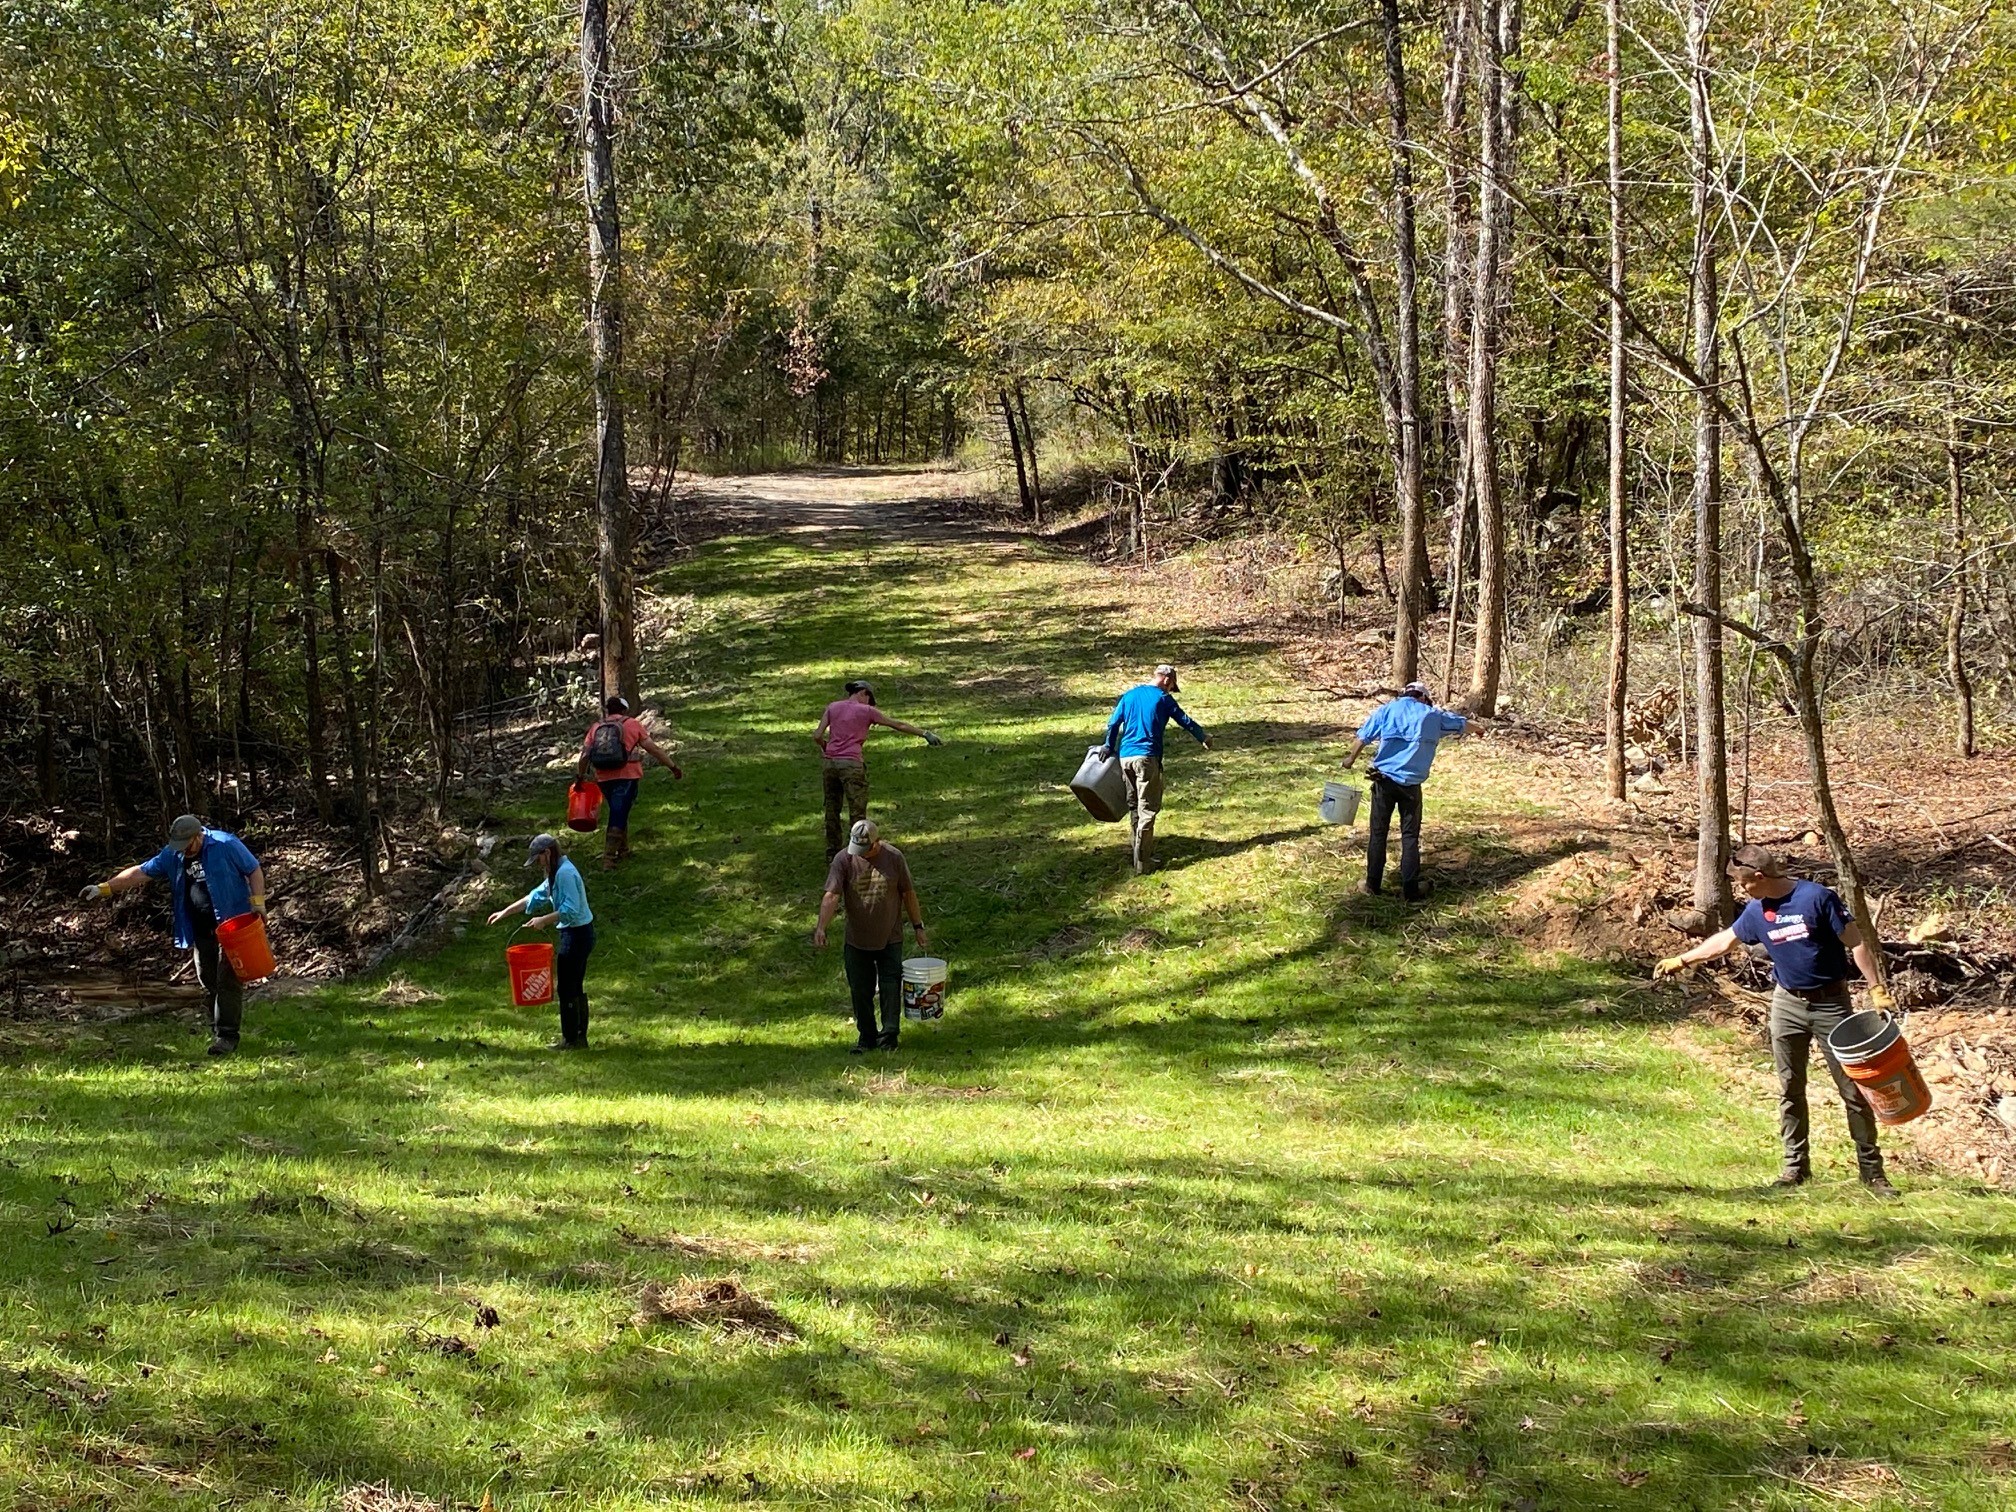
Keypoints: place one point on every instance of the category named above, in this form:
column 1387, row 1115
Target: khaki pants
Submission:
column 1143, row 778
column 845, row 781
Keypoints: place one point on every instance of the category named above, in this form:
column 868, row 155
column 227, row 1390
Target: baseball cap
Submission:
column 185, row 828
column 1418, row 690
column 1164, row 669
column 540, row 845
column 1755, row 858
column 858, row 685
column 862, row 837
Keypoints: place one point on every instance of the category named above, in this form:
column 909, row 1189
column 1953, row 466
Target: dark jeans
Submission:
column 227, row 994
column 1388, row 795
column 571, row 959
column 866, row 970
column 620, row 794
column 1796, row 1022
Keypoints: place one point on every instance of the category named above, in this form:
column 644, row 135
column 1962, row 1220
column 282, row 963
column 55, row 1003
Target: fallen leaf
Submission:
column 1026, row 1454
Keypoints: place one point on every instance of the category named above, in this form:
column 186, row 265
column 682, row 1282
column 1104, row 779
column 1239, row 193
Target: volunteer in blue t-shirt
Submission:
column 211, row 877
column 562, row 898
column 1810, row 935
column 1407, row 730
column 1134, row 734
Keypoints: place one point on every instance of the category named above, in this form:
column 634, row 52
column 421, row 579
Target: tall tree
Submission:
column 614, row 581
column 1411, row 595
column 1711, row 753
column 1618, row 686
column 1497, row 40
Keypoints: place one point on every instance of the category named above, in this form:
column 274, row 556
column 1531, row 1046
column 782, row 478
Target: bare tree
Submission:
column 1411, row 601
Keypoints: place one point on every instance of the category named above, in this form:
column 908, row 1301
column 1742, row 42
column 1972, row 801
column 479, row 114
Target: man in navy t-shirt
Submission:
column 1810, row 935
column 1407, row 730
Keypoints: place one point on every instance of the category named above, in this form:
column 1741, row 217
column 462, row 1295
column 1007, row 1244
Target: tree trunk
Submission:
column 1412, row 600
column 313, row 714
column 1956, row 615
column 1457, row 235
column 1029, row 445
column 48, row 775
column 1620, row 544
column 614, row 582
column 1015, row 446
column 1711, row 750
column 1497, row 38
column 353, row 726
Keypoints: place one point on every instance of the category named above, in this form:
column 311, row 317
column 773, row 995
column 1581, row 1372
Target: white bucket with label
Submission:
column 1340, row 803
column 924, row 988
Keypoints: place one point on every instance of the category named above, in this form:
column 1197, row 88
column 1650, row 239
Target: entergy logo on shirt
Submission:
column 1790, row 927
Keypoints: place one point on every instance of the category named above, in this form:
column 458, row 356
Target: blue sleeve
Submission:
column 1453, row 724
column 1176, row 713
column 1375, row 725
column 162, row 865
column 1112, row 741
column 1834, row 910
column 241, row 856
column 540, row 899
column 1749, row 925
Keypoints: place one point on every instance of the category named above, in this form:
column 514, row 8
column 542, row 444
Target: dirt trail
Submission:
column 913, row 503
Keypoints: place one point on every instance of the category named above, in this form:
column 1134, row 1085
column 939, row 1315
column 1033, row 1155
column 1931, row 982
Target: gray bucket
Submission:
column 1100, row 787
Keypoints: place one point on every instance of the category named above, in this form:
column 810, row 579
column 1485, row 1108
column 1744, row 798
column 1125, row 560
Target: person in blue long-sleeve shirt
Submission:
column 563, row 897
column 1134, row 734
column 1406, row 730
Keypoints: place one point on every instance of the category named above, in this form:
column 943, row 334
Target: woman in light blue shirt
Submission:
column 563, row 899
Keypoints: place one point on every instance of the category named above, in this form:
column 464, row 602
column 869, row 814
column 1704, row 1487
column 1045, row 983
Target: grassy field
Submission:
column 1225, row 1187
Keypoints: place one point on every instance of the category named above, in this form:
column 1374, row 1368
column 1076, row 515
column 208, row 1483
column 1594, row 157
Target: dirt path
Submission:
column 913, row 503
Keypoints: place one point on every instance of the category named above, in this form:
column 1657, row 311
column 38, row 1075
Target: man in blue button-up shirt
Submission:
column 211, row 876
column 1407, row 730
column 1134, row 734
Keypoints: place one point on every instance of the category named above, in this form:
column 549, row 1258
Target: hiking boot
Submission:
column 1423, row 890
column 1793, row 1176
column 222, row 1046
column 862, row 1048
column 1879, row 1184
column 887, row 1041
column 1372, row 889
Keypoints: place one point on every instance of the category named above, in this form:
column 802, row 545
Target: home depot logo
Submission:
column 536, row 986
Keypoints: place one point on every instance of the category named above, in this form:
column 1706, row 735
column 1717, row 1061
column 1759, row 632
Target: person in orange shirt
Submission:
column 610, row 756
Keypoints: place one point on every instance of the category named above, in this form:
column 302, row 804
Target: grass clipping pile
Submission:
column 721, row 1303
column 1959, row 1023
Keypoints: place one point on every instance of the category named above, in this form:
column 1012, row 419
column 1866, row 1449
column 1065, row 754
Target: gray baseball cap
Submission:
column 540, row 845
column 185, row 828
column 1165, row 669
column 861, row 839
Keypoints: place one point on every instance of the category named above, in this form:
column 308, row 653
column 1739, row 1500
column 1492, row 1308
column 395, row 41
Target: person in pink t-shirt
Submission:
column 843, row 730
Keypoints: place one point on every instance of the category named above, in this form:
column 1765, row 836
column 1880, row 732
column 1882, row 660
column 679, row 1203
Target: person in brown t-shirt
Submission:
column 872, row 880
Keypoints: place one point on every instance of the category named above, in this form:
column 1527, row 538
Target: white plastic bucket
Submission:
column 924, row 988
column 1339, row 804
column 1100, row 787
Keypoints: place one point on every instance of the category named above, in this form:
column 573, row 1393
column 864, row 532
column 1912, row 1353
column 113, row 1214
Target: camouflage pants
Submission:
column 846, row 780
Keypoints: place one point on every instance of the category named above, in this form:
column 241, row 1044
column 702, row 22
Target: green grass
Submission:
column 1278, row 1196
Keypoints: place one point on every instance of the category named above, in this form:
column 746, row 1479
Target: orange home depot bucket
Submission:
column 243, row 941
column 1871, row 1049
column 584, row 804
column 531, row 967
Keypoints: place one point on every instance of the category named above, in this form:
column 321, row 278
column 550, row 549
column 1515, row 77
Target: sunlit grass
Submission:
column 1220, row 1187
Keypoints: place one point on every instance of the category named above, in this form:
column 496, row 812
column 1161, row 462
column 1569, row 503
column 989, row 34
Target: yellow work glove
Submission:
column 1671, row 966
column 259, row 904
column 1881, row 999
